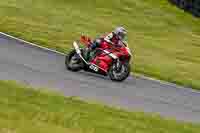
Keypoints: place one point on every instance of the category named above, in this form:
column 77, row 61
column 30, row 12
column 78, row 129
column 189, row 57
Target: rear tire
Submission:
column 120, row 77
column 68, row 62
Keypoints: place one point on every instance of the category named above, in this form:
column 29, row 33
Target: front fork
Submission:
column 118, row 64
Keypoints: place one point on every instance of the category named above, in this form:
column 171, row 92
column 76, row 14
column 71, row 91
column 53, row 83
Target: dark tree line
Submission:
column 192, row 6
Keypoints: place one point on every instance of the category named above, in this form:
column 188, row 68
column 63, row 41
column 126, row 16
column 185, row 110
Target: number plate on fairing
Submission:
column 93, row 67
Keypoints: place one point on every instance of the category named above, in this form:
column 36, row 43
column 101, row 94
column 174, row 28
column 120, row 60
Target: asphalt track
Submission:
column 42, row 68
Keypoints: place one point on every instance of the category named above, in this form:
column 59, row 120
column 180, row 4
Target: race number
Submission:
column 93, row 67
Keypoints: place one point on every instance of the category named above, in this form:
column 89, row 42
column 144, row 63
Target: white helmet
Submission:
column 120, row 32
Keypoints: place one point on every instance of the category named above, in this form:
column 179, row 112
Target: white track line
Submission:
column 137, row 75
column 33, row 44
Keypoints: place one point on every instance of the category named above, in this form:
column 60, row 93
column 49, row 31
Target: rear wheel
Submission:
column 73, row 62
column 121, row 74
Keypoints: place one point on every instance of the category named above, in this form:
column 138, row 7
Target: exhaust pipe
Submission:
column 78, row 51
column 76, row 48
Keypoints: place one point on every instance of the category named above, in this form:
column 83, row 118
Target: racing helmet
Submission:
column 120, row 32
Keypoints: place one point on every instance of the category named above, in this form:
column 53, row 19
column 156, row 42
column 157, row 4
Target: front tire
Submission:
column 71, row 64
column 119, row 75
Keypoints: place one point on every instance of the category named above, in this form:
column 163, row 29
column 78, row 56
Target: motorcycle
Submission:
column 111, row 61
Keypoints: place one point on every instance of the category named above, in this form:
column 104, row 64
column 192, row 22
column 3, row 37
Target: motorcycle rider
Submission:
column 116, row 38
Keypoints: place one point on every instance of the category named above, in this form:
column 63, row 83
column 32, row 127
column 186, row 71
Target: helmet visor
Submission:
column 122, row 35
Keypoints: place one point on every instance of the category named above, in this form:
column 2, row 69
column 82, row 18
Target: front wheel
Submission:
column 73, row 62
column 119, row 75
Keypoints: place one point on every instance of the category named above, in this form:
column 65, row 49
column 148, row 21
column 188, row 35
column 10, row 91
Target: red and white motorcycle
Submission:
column 111, row 61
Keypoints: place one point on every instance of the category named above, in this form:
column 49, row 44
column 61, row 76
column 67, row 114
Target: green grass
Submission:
column 25, row 110
column 166, row 40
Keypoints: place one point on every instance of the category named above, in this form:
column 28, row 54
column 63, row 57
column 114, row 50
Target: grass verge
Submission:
column 166, row 40
column 23, row 109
